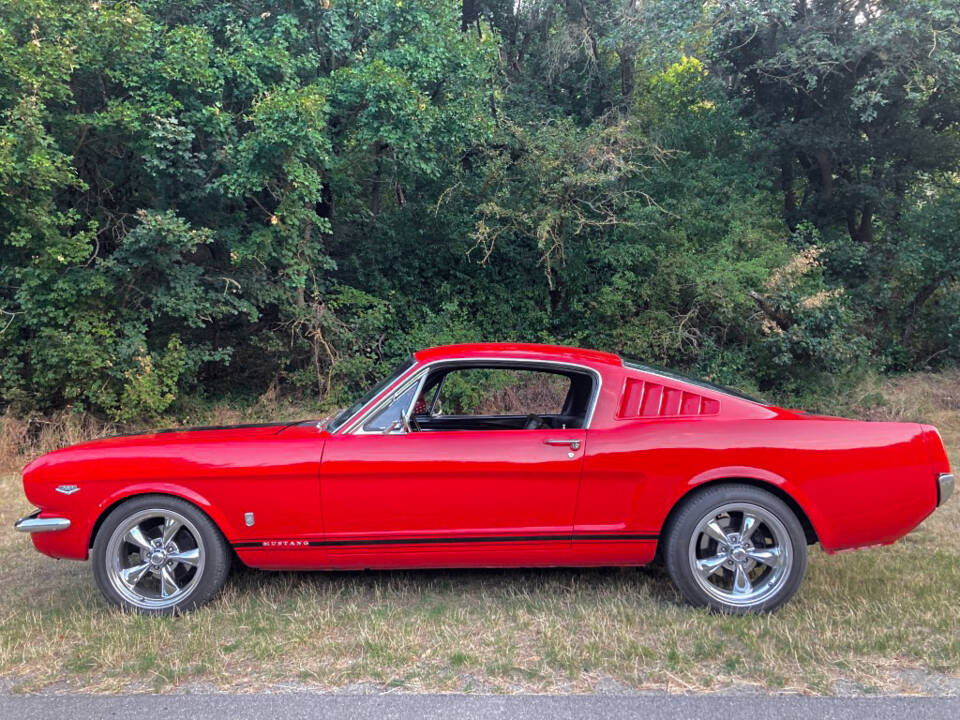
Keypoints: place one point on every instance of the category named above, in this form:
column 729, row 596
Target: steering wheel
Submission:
column 532, row 422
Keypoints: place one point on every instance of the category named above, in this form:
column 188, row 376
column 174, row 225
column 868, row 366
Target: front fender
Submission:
column 161, row 488
column 86, row 517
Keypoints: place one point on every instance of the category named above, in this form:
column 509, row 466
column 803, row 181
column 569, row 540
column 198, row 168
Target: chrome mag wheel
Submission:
column 155, row 558
column 740, row 554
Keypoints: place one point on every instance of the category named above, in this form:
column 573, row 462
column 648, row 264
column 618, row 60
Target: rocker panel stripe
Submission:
column 292, row 544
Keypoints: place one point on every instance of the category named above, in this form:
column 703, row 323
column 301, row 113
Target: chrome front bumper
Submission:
column 945, row 485
column 33, row 524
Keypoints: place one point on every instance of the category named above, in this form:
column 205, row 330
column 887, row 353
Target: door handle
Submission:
column 574, row 444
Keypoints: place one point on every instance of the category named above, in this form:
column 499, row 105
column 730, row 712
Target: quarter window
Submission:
column 393, row 412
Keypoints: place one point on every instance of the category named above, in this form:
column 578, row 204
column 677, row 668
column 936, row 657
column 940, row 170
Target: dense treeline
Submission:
column 220, row 196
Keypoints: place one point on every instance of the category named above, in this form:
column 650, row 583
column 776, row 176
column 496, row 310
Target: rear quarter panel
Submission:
column 860, row 483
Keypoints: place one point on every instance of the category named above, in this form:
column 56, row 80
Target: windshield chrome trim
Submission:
column 402, row 386
column 420, row 373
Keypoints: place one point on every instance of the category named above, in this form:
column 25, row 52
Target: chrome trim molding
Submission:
column 419, row 375
column 378, row 403
column 945, row 486
column 33, row 524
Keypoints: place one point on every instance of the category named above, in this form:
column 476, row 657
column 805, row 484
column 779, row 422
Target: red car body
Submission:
column 318, row 499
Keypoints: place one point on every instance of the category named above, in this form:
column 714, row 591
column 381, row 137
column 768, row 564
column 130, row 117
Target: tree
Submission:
column 858, row 98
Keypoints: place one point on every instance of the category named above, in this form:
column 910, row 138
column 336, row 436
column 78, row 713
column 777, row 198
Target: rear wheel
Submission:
column 159, row 555
column 737, row 549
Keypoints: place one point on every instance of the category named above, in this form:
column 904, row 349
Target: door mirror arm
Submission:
column 394, row 426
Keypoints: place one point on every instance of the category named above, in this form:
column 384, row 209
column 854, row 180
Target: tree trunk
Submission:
column 469, row 13
column 628, row 80
column 789, row 192
column 825, row 163
column 376, row 182
column 862, row 231
column 919, row 300
column 326, row 208
column 628, row 57
column 771, row 311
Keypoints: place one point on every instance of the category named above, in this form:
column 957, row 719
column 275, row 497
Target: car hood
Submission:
column 213, row 434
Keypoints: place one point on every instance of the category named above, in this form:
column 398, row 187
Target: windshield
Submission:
column 633, row 364
column 347, row 413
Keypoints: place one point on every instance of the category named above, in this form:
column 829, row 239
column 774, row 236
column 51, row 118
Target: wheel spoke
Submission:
column 187, row 557
column 168, row 584
column 714, row 530
column 708, row 566
column 170, row 528
column 741, row 583
column 171, row 558
column 131, row 576
column 740, row 555
column 136, row 537
column 749, row 526
column 767, row 556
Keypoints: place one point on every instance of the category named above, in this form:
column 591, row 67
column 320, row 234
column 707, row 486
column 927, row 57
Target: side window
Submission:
column 499, row 391
column 392, row 413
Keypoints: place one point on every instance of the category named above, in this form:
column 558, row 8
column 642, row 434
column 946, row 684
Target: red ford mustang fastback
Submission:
column 493, row 455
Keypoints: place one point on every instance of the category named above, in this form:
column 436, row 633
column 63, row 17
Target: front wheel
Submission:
column 736, row 549
column 159, row 555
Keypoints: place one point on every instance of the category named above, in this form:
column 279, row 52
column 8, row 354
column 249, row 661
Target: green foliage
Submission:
column 149, row 389
column 171, row 173
column 203, row 197
column 858, row 103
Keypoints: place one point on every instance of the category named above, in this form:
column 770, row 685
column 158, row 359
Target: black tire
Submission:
column 197, row 567
column 763, row 571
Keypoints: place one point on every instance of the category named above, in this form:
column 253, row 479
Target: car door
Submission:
column 459, row 497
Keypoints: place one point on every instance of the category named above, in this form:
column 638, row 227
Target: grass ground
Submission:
column 879, row 620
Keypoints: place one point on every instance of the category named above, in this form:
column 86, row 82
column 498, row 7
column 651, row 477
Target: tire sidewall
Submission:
column 216, row 553
column 683, row 525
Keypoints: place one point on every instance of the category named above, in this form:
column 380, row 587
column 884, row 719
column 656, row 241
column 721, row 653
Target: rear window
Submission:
column 634, row 365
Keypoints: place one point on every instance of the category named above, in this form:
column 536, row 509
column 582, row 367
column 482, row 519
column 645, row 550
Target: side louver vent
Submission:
column 648, row 399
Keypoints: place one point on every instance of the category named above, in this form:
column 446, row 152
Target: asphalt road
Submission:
column 466, row 707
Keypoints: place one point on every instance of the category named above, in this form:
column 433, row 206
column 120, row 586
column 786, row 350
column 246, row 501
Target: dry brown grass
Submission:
column 536, row 392
column 881, row 620
column 22, row 440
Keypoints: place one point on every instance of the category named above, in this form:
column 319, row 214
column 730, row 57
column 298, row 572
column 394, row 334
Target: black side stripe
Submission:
column 441, row 540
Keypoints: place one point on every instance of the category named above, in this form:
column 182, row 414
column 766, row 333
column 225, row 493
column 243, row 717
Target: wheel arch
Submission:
column 180, row 493
column 774, row 488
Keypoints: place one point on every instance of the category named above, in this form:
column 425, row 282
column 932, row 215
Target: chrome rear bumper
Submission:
column 33, row 524
column 945, row 485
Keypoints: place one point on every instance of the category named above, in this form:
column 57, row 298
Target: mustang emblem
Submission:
column 68, row 489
